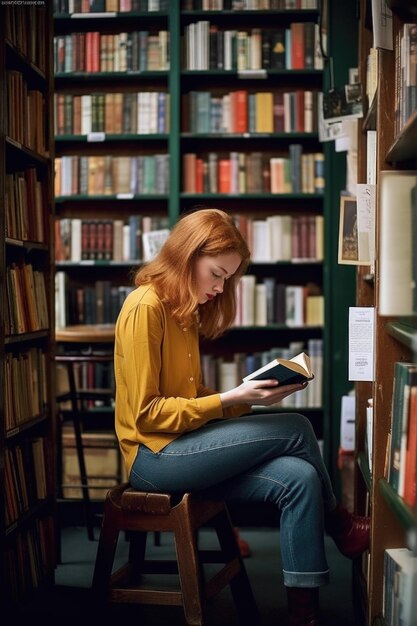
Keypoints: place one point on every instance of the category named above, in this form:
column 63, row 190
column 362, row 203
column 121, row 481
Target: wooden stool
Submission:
column 139, row 512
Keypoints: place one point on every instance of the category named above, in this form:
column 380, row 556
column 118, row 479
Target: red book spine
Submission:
column 108, row 240
column 189, row 172
column 297, row 46
column 92, row 240
column 96, row 52
column 410, row 478
column 84, row 240
column 299, row 111
column 199, row 176
column 88, row 52
column 224, row 176
column 278, row 112
column 100, row 240
column 241, row 111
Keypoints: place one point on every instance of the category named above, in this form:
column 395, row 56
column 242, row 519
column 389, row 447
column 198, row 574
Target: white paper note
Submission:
column 361, row 343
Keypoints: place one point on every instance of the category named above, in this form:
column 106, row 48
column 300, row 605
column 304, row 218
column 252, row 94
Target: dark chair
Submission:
column 137, row 513
column 91, row 407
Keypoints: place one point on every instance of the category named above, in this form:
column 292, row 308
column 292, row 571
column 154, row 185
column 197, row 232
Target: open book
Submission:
column 286, row 371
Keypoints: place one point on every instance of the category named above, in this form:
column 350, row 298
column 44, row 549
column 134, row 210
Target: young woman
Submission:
column 177, row 435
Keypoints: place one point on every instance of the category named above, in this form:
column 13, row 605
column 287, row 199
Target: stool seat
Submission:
column 138, row 513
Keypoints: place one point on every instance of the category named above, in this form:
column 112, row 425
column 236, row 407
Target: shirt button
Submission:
column 191, row 378
column 189, row 355
column 185, row 329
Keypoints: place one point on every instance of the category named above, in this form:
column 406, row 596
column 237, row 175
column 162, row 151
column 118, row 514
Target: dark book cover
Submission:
column 286, row 371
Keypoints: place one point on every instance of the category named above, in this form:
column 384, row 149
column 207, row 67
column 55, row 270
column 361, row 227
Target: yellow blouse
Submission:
column 159, row 390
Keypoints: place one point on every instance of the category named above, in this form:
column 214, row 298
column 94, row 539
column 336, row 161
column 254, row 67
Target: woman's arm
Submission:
column 156, row 374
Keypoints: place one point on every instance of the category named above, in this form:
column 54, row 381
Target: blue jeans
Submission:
column 257, row 458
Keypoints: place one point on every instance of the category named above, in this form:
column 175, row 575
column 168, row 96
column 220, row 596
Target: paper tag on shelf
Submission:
column 96, row 137
column 252, row 74
column 125, row 196
column 92, row 15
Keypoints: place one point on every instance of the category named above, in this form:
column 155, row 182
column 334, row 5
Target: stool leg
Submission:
column 137, row 551
column 106, row 549
column 189, row 568
column 239, row 585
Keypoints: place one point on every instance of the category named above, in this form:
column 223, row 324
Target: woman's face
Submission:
column 212, row 271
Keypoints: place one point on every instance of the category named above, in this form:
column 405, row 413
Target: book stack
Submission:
column 399, row 587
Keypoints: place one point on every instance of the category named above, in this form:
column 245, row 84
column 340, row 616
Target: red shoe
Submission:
column 244, row 547
column 351, row 533
column 303, row 606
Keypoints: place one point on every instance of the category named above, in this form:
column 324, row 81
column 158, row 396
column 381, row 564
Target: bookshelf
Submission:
column 394, row 521
column 205, row 152
column 27, row 309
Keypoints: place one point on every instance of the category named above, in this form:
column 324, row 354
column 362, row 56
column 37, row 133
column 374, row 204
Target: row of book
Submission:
column 207, row 47
column 25, row 478
column 26, row 302
column 222, row 374
column 405, row 96
column 145, row 112
column 259, row 304
column 123, row 6
column 402, row 444
column 24, row 113
column 79, row 239
column 254, row 172
column 87, row 375
column 295, row 238
column 110, row 175
column 25, row 206
column 268, row 302
column 23, row 23
column 108, row 6
column 247, row 5
column 25, row 386
column 242, row 111
column 98, row 303
column 99, row 52
column 399, row 598
column 29, row 556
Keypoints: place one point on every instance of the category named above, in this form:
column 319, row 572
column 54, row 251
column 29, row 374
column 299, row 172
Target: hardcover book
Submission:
column 286, row 371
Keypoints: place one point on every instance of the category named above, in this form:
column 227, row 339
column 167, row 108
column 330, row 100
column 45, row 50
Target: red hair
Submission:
column 207, row 232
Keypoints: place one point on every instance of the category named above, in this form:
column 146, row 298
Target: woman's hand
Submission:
column 259, row 392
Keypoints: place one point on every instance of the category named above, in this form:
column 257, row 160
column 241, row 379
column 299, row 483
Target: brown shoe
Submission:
column 303, row 606
column 351, row 533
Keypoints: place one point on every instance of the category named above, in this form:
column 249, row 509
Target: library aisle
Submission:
column 71, row 600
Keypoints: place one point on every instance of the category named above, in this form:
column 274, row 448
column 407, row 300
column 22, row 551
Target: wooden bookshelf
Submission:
column 27, row 304
column 393, row 521
column 182, row 82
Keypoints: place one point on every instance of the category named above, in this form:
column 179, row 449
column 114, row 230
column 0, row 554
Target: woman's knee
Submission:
column 287, row 479
column 302, row 423
column 303, row 480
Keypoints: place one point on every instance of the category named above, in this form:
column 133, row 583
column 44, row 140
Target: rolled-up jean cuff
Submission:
column 306, row 579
